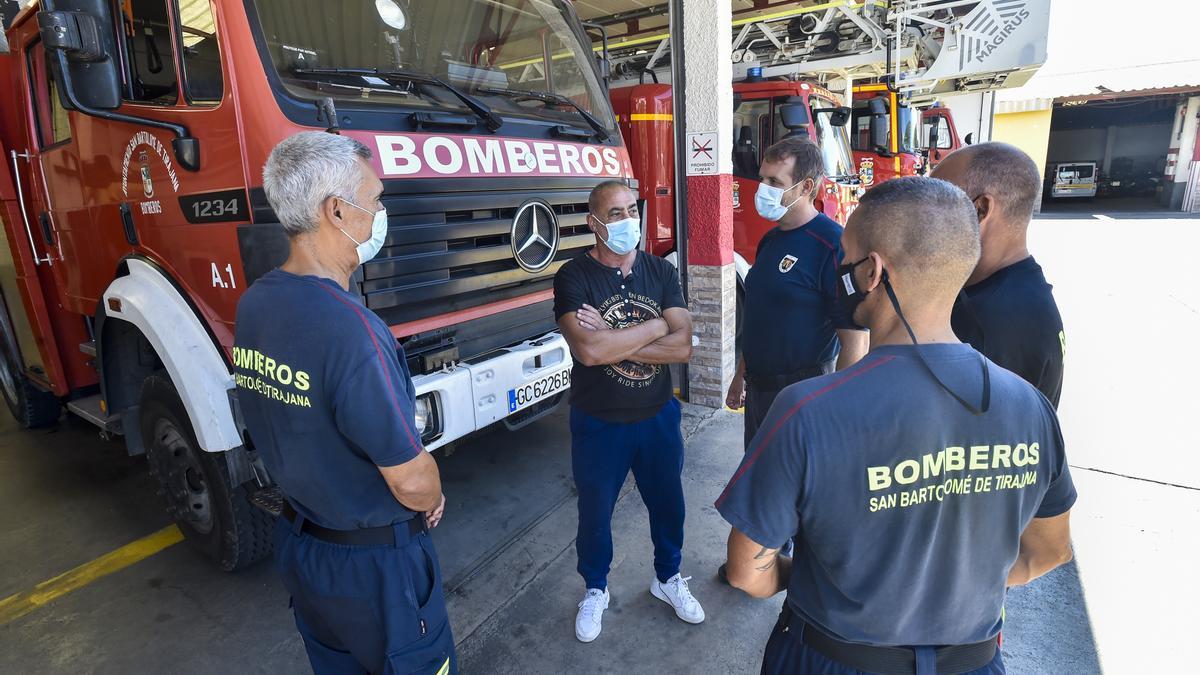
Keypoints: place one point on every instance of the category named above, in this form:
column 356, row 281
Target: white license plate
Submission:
column 528, row 394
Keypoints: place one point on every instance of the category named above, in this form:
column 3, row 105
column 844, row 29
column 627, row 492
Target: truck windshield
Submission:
column 834, row 141
column 487, row 49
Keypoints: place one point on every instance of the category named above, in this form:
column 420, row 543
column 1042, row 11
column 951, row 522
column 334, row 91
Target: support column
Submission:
column 1184, row 137
column 702, row 65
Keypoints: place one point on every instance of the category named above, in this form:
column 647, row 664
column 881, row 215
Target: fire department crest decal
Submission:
column 144, row 171
column 788, row 262
column 866, row 171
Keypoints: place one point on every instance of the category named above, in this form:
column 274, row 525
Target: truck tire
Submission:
column 214, row 516
column 30, row 406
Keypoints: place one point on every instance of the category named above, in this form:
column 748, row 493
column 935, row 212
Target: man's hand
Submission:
column 589, row 318
column 434, row 516
column 736, row 398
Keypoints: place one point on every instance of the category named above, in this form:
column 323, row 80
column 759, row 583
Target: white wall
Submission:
column 972, row 114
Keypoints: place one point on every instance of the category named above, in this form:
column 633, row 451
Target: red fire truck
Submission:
column 134, row 135
column 764, row 111
column 891, row 139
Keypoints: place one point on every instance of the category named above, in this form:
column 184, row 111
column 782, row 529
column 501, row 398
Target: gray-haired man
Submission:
column 328, row 403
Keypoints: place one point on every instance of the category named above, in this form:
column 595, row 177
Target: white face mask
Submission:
column 379, row 228
column 767, row 201
column 623, row 235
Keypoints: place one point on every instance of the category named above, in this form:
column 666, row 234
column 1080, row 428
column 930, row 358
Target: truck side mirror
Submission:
column 970, row 138
column 840, row 116
column 74, row 34
column 876, row 106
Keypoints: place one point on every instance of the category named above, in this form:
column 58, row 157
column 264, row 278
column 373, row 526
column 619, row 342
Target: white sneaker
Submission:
column 676, row 594
column 591, row 611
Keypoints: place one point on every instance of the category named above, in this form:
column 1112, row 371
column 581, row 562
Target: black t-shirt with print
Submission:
column 625, row 391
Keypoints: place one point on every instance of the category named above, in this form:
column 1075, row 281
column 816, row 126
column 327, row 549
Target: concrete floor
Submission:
column 506, row 544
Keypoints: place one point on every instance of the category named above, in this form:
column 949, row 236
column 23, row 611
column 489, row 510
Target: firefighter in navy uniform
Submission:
column 918, row 484
column 328, row 403
column 792, row 328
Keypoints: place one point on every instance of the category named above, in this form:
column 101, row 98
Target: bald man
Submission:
column 1007, row 309
column 623, row 314
column 918, row 484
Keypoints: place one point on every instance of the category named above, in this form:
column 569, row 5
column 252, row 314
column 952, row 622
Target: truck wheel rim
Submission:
column 189, row 496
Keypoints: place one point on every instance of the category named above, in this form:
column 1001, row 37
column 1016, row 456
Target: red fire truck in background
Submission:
column 891, row 138
column 134, row 136
column 764, row 111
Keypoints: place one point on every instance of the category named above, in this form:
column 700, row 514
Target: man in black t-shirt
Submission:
column 1007, row 310
column 624, row 316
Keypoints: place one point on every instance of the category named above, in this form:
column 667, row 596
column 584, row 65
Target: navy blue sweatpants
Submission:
column 602, row 454
column 786, row 654
column 367, row 609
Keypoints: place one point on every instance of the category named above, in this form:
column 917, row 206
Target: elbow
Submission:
column 586, row 357
column 748, row 583
column 1065, row 556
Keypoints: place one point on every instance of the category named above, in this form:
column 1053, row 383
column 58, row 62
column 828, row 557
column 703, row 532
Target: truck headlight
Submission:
column 427, row 421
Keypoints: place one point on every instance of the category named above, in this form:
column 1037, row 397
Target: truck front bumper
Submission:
column 475, row 394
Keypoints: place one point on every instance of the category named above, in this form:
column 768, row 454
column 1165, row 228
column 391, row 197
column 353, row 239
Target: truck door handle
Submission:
column 47, row 231
column 37, row 260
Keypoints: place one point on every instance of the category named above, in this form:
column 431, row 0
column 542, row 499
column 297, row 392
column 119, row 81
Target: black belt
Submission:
column 886, row 660
column 366, row 536
column 777, row 382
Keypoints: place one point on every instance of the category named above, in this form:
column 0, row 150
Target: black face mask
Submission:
column 850, row 295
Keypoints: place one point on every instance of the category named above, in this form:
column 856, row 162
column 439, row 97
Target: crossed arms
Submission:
column 661, row 340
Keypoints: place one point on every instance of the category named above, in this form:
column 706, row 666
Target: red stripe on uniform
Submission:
column 846, row 377
column 382, row 363
column 818, row 237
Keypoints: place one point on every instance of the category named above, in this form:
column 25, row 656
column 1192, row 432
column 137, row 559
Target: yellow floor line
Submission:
column 16, row 606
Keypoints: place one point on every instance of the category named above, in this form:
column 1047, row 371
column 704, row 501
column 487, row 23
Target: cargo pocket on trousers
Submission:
column 433, row 654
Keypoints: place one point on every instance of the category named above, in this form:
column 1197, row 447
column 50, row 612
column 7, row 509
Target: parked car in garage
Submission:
column 1077, row 179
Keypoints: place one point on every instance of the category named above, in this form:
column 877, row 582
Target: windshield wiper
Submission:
column 481, row 110
column 547, row 97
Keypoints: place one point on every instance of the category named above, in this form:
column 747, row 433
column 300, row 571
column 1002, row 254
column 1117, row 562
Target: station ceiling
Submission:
column 634, row 18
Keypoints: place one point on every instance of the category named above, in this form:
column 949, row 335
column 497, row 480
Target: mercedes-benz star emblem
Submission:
column 534, row 236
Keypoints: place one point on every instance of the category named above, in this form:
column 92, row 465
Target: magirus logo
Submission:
column 988, row 26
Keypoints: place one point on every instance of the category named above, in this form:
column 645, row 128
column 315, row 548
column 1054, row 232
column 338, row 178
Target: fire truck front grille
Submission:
column 446, row 253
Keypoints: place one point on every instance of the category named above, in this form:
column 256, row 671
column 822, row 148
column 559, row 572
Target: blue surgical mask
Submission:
column 767, row 201
column 379, row 227
column 623, row 235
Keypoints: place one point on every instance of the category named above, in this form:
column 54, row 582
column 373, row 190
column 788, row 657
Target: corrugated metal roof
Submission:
column 1142, row 77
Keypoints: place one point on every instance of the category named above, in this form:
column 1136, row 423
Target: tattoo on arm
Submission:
column 770, row 556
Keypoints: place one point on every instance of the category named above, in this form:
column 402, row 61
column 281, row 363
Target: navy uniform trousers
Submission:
column 367, row 609
column 787, row 654
column 602, row 454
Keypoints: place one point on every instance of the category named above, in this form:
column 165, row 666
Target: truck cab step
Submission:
column 91, row 409
column 88, row 348
column 268, row 499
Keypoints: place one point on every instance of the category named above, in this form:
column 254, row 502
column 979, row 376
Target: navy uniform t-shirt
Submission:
column 791, row 308
column 628, row 391
column 907, row 510
column 326, row 398
column 1011, row 317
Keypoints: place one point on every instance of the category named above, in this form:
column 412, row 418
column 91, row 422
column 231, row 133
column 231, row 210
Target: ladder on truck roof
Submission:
column 925, row 47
